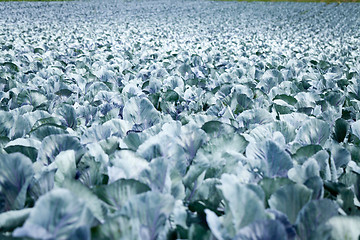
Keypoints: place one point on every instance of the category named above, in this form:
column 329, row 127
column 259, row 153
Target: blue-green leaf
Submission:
column 262, row 230
column 290, row 199
column 313, row 131
column 15, row 175
column 243, row 206
column 313, row 215
column 56, row 215
column 343, row 227
column 52, row 145
column 141, row 113
column 12, row 219
column 117, row 194
column 269, row 158
column 152, row 210
column 27, row 146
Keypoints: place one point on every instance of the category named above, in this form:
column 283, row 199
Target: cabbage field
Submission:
column 179, row 119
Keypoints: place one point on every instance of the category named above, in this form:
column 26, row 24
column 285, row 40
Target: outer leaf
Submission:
column 118, row 228
column 191, row 139
column 316, row 184
column 301, row 173
column 312, row 216
column 68, row 114
column 52, row 145
column 282, row 218
column 90, row 172
column 346, row 228
column 314, row 131
column 215, row 225
column 262, row 230
column 227, row 143
column 15, row 175
column 12, row 66
column 265, row 132
column 141, row 113
column 355, row 128
column 20, row 127
column 6, row 122
column 47, row 129
column 28, row 147
column 208, row 191
column 34, row 98
column 270, row 79
column 215, row 129
column 13, row 219
column 180, row 214
column 341, row 156
column 157, row 176
column 118, row 127
column 271, row 185
column 287, row 98
column 126, row 165
column 242, row 204
column 295, row 196
column 65, row 162
column 254, row 116
column 96, row 133
column 269, row 158
column 41, row 184
column 91, row 201
column 303, row 153
column 56, row 215
column 117, row 194
column 341, row 129
column 357, row 187
column 152, row 210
